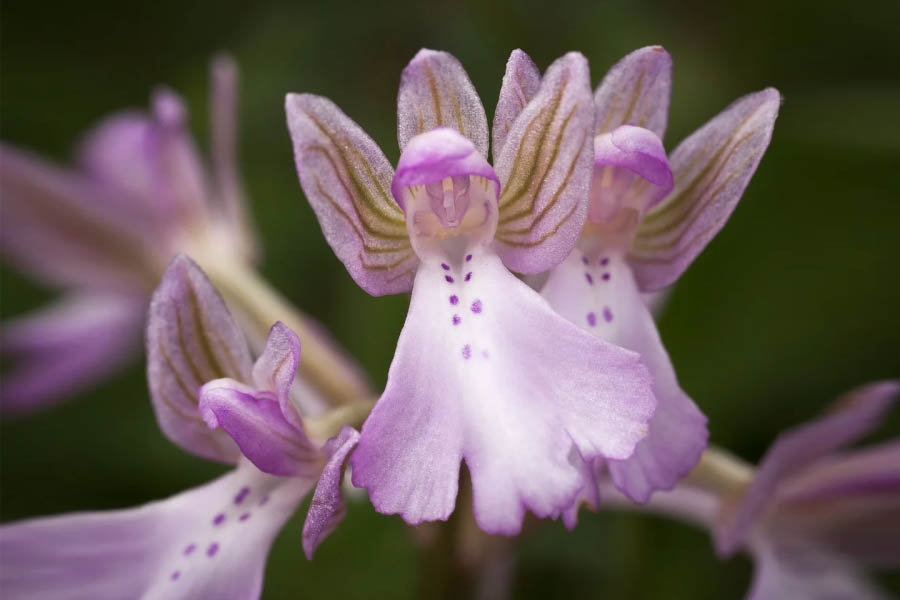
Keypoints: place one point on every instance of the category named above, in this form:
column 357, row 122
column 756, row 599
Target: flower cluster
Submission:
column 528, row 356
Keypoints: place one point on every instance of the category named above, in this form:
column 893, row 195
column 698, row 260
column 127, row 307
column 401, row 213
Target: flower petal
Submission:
column 805, row 574
column 436, row 92
column 191, row 339
column 276, row 368
column 520, row 83
column 64, row 229
column 67, row 347
column 328, row 507
column 485, row 371
column 637, row 154
column 546, row 168
column 347, row 180
column 795, row 449
column 597, row 292
column 223, row 127
column 208, row 542
column 636, row 91
column 255, row 421
column 712, row 168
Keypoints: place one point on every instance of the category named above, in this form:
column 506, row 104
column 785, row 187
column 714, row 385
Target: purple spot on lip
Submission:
column 607, row 314
column 585, row 260
column 220, row 518
column 263, row 500
column 604, row 262
column 467, row 352
column 456, row 319
column 244, row 517
column 190, row 549
column 590, row 279
column 469, row 275
column 592, row 319
column 468, row 258
column 241, row 495
column 454, row 300
column 445, row 266
column 175, row 575
column 605, row 277
column 213, row 548
column 476, row 307
column 448, row 278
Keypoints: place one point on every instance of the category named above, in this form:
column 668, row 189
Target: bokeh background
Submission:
column 794, row 302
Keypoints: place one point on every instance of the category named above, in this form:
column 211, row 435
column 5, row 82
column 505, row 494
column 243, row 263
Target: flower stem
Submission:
column 258, row 306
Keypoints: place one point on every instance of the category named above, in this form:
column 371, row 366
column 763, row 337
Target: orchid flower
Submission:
column 485, row 371
column 647, row 220
column 211, row 541
column 812, row 516
column 103, row 233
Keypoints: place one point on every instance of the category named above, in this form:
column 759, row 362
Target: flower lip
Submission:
column 436, row 155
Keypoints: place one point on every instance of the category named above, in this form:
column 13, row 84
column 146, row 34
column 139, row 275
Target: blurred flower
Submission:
column 104, row 233
column 813, row 515
column 641, row 234
column 211, row 541
column 484, row 370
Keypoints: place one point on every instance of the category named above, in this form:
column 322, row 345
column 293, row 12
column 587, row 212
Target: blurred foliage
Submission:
column 795, row 302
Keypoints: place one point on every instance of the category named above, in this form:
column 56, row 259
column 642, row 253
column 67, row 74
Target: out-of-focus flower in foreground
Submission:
column 104, row 232
column 211, row 541
column 641, row 234
column 485, row 371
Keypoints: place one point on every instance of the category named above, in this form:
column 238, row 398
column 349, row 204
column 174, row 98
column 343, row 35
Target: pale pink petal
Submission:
column 64, row 229
column 191, row 339
column 596, row 291
column 436, row 92
column 636, row 91
column 546, row 167
column 67, row 347
column 520, row 83
column 276, row 368
column 208, row 542
column 328, row 506
column 712, row 168
column 486, row 372
column 794, row 450
column 347, row 180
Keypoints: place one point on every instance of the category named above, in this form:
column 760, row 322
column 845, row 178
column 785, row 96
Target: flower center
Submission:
column 458, row 206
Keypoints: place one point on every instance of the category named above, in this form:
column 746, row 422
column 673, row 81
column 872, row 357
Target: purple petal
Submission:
column 546, row 168
column 636, row 91
column 630, row 170
column 797, row 448
column 849, row 503
column 605, row 288
column 68, row 347
column 64, row 229
column 191, row 340
column 712, row 168
column 255, row 421
column 802, row 573
column 197, row 544
column 223, row 127
column 520, row 83
column 328, row 507
column 347, row 180
column 276, row 367
column 510, row 389
column 436, row 155
column 436, row 92
column 588, row 495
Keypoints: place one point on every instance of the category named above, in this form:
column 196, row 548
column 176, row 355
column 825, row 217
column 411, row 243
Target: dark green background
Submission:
column 794, row 302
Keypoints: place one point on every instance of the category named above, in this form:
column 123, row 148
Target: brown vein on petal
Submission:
column 550, row 164
column 435, row 95
column 543, row 238
column 187, row 355
column 457, row 111
column 635, row 95
column 194, row 417
column 185, row 388
column 525, row 182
